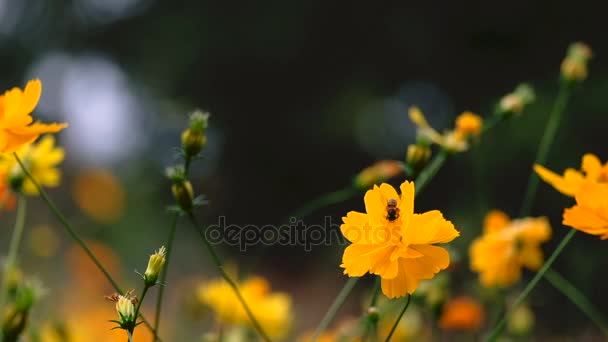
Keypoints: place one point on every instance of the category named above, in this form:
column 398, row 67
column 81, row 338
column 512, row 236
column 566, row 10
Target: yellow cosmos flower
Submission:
column 16, row 127
column 272, row 310
column 592, row 171
column 507, row 246
column 389, row 240
column 41, row 160
column 468, row 125
column 590, row 214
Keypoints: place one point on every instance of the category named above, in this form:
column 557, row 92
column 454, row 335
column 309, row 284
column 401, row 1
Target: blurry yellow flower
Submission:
column 592, row 171
column 155, row 264
column 272, row 310
column 41, row 160
column 468, row 125
column 506, row 246
column 590, row 214
column 417, row 157
column 515, row 102
column 462, row 313
column 393, row 242
column 100, row 195
column 85, row 273
column 379, row 172
column 522, row 321
column 16, row 127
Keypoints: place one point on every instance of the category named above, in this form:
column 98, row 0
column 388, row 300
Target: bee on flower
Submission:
column 272, row 309
column 507, row 246
column 468, row 125
column 393, row 242
column 16, row 123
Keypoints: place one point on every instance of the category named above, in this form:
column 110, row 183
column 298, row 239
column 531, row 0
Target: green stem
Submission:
column 526, row 292
column 218, row 263
column 13, row 248
column 545, row 145
column 130, row 336
column 72, row 232
column 335, row 307
column 325, row 200
column 430, row 170
column 163, row 276
column 141, row 300
column 407, row 304
column 576, row 297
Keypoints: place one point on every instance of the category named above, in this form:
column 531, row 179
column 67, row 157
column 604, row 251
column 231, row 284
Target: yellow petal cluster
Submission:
column 468, row 125
column 402, row 250
column 590, row 214
column 506, row 247
column 41, row 159
column 592, row 171
column 272, row 310
column 16, row 123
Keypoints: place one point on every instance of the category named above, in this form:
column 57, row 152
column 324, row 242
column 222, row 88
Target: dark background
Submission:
column 303, row 95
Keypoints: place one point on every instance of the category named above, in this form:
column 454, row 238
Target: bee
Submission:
column 392, row 210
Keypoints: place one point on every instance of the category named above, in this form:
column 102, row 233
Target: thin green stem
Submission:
column 325, row 200
column 375, row 292
column 13, row 248
column 72, row 232
column 335, row 307
column 163, row 276
column 130, row 336
column 218, row 263
column 141, row 300
column 407, row 304
column 577, row 297
column 431, row 170
column 528, row 289
column 545, row 145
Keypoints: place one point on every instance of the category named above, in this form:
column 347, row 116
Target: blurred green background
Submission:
column 303, row 95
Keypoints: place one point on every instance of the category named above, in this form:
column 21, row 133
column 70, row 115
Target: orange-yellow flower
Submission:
column 389, row 240
column 272, row 310
column 590, row 214
column 592, row 171
column 16, row 127
column 506, row 246
column 462, row 313
column 380, row 171
column 468, row 125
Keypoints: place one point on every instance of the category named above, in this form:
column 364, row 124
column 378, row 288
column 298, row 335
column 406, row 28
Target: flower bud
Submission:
column 14, row 322
column 16, row 179
column 417, row 156
column 469, row 124
column 155, row 265
column 522, row 321
column 574, row 66
column 379, row 172
column 181, row 188
column 125, row 309
column 515, row 102
column 192, row 142
column 373, row 314
column 199, row 121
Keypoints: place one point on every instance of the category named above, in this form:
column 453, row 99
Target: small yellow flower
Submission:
column 515, row 102
column 389, row 240
column 572, row 180
column 506, row 246
column 574, row 66
column 125, row 308
column 462, row 313
column 272, row 310
column 194, row 138
column 40, row 159
column 590, row 214
column 379, row 172
column 16, row 127
column 155, row 264
column 468, row 125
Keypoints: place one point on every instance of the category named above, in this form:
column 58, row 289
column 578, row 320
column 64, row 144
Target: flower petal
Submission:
column 567, row 185
column 429, row 228
column 592, row 166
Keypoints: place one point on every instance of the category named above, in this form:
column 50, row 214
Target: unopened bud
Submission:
column 515, row 102
column 192, row 142
column 377, row 173
column 417, row 156
column 574, row 66
column 155, row 265
column 181, row 188
column 373, row 314
column 522, row 321
column 199, row 121
column 16, row 179
column 14, row 322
